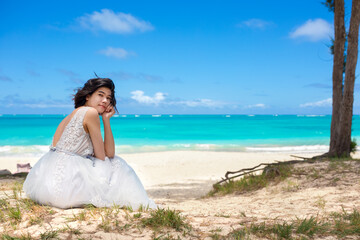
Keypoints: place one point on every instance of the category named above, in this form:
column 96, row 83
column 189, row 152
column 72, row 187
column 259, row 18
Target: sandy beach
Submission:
column 193, row 171
column 179, row 180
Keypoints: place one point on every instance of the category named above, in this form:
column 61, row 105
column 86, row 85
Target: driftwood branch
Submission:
column 246, row 171
column 304, row 158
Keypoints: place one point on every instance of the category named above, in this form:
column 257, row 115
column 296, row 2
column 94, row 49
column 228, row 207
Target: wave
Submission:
column 39, row 150
column 23, row 151
column 295, row 149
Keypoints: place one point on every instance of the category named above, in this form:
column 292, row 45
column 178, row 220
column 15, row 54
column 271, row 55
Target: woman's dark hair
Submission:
column 90, row 87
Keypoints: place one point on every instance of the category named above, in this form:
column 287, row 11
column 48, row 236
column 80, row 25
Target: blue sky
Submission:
column 169, row 57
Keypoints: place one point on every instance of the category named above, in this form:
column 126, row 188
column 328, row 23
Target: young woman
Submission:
column 82, row 168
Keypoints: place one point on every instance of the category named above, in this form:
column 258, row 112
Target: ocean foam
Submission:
column 298, row 149
column 39, row 150
column 23, row 151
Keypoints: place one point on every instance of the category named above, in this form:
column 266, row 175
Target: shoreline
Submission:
column 183, row 167
column 37, row 150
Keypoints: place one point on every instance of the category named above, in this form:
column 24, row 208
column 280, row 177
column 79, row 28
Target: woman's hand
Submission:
column 109, row 144
column 109, row 112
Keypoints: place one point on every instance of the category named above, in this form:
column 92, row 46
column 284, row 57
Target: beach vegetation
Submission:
column 320, row 203
column 17, row 190
column 291, row 186
column 315, row 174
column 52, row 234
column 129, row 208
column 70, row 230
column 105, row 224
column 242, row 233
column 125, row 227
column 252, row 182
column 27, row 203
column 14, row 213
column 284, row 230
column 81, row 216
column 165, row 237
column 346, row 223
column 223, row 215
column 21, row 237
column 353, row 145
column 108, row 217
column 310, row 226
column 340, row 165
column 215, row 233
column 143, row 208
column 339, row 225
column 166, row 218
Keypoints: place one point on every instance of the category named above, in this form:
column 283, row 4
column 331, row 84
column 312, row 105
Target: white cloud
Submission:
column 323, row 103
column 160, row 98
column 258, row 105
column 313, row 30
column 109, row 21
column 255, row 23
column 199, row 103
column 116, row 52
column 139, row 96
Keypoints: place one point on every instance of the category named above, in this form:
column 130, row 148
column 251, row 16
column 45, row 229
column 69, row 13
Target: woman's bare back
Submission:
column 61, row 127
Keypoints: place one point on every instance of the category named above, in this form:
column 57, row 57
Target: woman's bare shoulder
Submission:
column 91, row 114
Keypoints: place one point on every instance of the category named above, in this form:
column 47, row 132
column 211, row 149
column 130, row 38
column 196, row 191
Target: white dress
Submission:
column 68, row 176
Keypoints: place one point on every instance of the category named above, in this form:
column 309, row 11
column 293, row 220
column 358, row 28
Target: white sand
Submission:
column 194, row 166
column 156, row 168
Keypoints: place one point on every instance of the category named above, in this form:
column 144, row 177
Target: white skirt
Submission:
column 66, row 180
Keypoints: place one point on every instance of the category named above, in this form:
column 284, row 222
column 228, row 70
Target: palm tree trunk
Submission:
column 346, row 111
column 337, row 77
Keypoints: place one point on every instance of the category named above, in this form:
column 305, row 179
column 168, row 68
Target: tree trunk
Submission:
column 337, row 77
column 346, row 111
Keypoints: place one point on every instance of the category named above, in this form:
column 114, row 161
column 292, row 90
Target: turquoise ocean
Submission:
column 31, row 135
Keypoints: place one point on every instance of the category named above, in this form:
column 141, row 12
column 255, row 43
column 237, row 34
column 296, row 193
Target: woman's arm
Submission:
column 92, row 123
column 109, row 143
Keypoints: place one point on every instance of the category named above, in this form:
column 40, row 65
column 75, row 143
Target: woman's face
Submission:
column 100, row 99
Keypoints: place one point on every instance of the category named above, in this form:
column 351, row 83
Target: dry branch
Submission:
column 246, row 171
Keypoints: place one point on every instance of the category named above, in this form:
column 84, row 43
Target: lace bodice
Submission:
column 74, row 139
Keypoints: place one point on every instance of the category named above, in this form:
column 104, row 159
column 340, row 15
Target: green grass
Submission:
column 346, row 223
column 9, row 237
column 165, row 237
column 14, row 213
column 49, row 235
column 253, row 182
column 81, row 216
column 283, row 231
column 310, row 226
column 166, row 218
column 339, row 225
